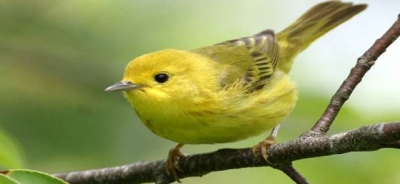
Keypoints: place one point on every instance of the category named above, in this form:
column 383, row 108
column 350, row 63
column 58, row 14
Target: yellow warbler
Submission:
column 225, row 92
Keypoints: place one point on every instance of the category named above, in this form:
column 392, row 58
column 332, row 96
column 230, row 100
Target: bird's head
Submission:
column 167, row 75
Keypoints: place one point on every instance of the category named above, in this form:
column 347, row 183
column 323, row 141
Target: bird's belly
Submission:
column 212, row 129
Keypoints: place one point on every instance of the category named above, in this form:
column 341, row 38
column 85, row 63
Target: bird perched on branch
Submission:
column 226, row 92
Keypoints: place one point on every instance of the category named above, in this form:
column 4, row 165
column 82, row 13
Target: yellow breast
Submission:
column 226, row 116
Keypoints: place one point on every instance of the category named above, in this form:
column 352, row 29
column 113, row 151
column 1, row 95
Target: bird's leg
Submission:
column 172, row 163
column 264, row 145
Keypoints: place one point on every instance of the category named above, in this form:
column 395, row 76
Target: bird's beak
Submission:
column 123, row 86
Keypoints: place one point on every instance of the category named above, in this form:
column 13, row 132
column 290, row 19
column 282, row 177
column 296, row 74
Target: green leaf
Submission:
column 10, row 154
column 24, row 176
column 4, row 179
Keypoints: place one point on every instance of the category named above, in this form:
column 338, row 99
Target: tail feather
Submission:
column 310, row 26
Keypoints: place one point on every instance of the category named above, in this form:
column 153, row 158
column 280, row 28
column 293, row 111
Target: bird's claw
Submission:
column 263, row 147
column 172, row 163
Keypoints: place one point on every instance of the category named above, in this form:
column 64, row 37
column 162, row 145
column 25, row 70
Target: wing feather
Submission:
column 252, row 60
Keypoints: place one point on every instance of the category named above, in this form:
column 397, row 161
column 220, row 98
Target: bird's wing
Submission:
column 251, row 60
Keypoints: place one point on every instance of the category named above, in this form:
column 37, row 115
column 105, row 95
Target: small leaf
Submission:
column 24, row 176
column 7, row 180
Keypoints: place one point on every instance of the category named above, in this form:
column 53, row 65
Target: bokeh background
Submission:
column 56, row 58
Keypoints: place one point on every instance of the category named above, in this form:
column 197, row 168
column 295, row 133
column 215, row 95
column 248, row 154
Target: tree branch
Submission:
column 364, row 63
column 366, row 138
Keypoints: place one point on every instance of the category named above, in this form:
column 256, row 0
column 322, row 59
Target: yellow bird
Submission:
column 228, row 91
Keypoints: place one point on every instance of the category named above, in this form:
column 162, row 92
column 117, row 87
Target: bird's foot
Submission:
column 172, row 163
column 263, row 147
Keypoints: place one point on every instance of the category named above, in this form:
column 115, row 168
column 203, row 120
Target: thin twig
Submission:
column 364, row 63
column 290, row 171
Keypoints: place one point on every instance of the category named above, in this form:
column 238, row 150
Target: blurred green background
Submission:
column 56, row 58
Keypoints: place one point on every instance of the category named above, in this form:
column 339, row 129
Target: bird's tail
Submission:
column 317, row 21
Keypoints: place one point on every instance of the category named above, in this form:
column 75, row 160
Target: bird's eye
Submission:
column 161, row 78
